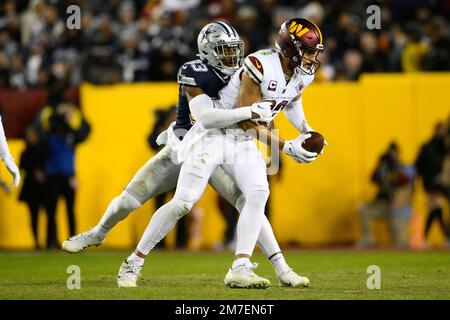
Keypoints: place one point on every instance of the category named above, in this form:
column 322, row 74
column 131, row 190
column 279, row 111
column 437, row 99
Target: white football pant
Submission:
column 160, row 175
column 245, row 164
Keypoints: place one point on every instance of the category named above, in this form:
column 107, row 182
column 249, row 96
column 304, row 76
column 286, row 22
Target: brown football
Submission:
column 314, row 143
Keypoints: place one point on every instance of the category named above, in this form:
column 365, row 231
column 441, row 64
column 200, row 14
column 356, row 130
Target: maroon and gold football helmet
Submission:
column 297, row 37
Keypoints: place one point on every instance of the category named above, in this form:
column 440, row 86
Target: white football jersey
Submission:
column 264, row 67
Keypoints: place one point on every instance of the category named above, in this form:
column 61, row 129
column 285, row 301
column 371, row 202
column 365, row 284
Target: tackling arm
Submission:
column 203, row 110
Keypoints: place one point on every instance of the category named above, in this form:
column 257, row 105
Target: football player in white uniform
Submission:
column 205, row 77
column 279, row 76
column 6, row 157
column 293, row 70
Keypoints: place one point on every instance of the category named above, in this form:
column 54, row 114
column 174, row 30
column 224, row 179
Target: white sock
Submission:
column 279, row 264
column 267, row 240
column 240, row 262
column 100, row 231
column 135, row 258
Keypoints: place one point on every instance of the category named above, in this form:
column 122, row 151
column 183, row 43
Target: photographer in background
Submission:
column 61, row 127
column 393, row 201
column 429, row 165
column 32, row 192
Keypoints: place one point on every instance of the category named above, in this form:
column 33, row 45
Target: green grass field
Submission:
column 187, row 275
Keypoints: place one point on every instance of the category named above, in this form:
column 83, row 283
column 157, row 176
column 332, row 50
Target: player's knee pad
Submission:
column 125, row 202
column 263, row 193
column 258, row 196
column 139, row 190
column 181, row 207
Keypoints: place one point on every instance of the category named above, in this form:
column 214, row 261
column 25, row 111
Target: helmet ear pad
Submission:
column 287, row 45
column 288, row 48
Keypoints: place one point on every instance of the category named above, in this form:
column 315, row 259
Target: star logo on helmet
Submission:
column 207, row 33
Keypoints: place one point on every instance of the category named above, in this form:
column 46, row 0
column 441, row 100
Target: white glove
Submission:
column 263, row 109
column 12, row 168
column 294, row 149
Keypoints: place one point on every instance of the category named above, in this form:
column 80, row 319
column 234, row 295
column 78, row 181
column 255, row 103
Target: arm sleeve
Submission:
column 203, row 110
column 294, row 112
column 4, row 150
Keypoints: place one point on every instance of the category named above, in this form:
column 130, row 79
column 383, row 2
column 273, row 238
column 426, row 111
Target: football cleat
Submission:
column 291, row 278
column 81, row 241
column 129, row 274
column 244, row 277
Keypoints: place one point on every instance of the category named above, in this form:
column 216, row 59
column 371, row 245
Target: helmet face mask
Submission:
column 308, row 61
column 300, row 41
column 229, row 56
column 220, row 45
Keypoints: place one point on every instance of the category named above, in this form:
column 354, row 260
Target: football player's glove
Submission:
column 264, row 110
column 294, row 149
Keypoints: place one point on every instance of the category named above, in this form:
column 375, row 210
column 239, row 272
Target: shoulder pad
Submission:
column 254, row 68
column 192, row 73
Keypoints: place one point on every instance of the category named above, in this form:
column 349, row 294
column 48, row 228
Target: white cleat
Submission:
column 129, row 274
column 291, row 278
column 244, row 277
column 81, row 241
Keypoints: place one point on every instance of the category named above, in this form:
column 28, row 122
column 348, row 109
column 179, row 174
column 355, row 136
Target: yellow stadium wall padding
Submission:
column 312, row 204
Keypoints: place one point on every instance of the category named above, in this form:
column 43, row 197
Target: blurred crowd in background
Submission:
column 145, row 40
